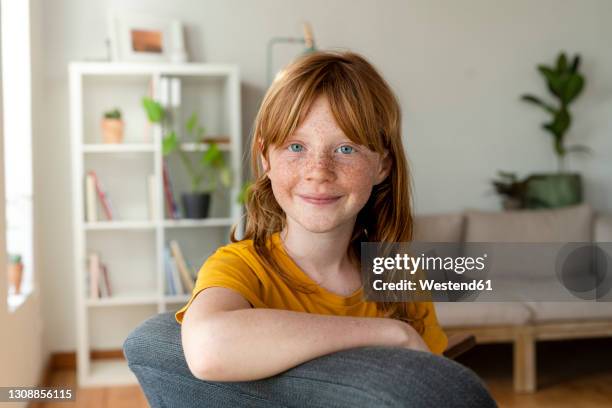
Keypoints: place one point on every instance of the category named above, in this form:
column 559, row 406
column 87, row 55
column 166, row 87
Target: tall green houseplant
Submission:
column 565, row 82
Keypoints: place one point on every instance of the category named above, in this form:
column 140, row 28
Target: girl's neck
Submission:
column 321, row 255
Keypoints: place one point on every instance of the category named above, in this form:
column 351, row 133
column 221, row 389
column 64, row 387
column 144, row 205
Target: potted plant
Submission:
column 565, row 82
column 511, row 189
column 112, row 126
column 15, row 272
column 206, row 173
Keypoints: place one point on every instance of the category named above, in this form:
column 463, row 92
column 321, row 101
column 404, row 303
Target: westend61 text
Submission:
column 428, row 284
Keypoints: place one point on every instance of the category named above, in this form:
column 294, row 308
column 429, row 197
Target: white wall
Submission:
column 458, row 68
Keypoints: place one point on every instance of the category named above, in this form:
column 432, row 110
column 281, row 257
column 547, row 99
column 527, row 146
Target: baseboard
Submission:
column 67, row 360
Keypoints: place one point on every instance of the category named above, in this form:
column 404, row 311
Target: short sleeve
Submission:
column 226, row 268
column 434, row 336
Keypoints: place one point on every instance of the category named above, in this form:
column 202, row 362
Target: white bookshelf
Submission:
column 132, row 244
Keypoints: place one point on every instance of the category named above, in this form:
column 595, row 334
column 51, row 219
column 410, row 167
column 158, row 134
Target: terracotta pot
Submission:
column 15, row 273
column 112, row 130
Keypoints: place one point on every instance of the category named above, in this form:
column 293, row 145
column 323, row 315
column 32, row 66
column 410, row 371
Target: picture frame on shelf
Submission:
column 140, row 37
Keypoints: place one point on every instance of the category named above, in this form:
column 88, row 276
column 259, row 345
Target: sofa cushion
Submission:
column 569, row 224
column 438, row 228
column 579, row 310
column 603, row 228
column 456, row 314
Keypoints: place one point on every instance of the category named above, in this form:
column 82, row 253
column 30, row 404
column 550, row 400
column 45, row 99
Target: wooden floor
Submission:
column 571, row 374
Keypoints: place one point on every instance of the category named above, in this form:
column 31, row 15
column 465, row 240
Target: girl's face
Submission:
column 320, row 178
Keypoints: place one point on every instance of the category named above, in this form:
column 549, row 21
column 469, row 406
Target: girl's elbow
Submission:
column 204, row 365
column 204, row 359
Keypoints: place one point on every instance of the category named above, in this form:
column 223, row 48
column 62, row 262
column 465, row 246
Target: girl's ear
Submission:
column 384, row 167
column 264, row 162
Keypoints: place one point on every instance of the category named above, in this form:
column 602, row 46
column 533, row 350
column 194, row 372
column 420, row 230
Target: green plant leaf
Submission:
column 113, row 114
column 552, row 79
column 170, row 143
column 537, row 101
column 155, row 112
column 212, row 157
column 192, row 122
column 575, row 64
column 574, row 86
column 561, row 63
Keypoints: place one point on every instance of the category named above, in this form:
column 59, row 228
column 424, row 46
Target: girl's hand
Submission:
column 410, row 338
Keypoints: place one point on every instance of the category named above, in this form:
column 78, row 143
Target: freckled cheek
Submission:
column 357, row 178
column 284, row 178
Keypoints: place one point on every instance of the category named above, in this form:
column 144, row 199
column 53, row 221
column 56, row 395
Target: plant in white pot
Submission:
column 565, row 82
column 112, row 126
column 205, row 174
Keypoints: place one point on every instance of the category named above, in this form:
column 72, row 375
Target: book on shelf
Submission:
column 152, row 189
column 171, row 206
column 173, row 281
column 177, row 254
column 105, row 288
column 99, row 281
column 92, row 180
column 91, row 205
column 94, row 274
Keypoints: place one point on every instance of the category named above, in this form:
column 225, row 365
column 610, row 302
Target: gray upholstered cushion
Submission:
column 438, row 228
column 570, row 224
column 603, row 228
column 451, row 314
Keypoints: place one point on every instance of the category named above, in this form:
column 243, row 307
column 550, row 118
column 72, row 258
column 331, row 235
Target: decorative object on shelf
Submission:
column 210, row 169
column 511, row 189
column 15, row 273
column 145, row 38
column 112, row 127
column 307, row 40
column 178, row 53
column 565, row 82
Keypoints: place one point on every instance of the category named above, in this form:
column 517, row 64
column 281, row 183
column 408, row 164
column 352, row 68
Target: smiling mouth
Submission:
column 319, row 200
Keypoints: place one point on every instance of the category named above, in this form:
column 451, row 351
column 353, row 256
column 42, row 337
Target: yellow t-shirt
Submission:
column 237, row 266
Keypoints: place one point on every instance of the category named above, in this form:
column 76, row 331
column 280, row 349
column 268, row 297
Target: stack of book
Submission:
column 180, row 276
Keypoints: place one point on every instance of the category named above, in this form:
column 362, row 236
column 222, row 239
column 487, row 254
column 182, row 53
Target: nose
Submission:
column 320, row 168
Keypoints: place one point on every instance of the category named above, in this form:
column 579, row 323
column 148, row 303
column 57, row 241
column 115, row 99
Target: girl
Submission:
column 330, row 172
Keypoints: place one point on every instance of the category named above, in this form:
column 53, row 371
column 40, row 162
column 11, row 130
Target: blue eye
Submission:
column 295, row 147
column 346, row 149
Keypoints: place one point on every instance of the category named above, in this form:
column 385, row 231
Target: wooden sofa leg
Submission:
column 525, row 374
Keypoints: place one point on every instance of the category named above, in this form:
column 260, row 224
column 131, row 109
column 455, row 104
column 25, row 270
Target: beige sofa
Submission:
column 522, row 323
